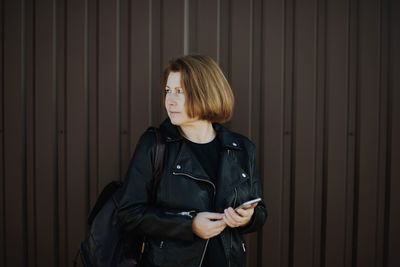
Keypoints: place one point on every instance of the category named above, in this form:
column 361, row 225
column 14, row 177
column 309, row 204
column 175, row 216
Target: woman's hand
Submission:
column 208, row 224
column 239, row 217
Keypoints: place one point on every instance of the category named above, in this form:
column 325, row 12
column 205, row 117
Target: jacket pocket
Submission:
column 171, row 253
column 238, row 250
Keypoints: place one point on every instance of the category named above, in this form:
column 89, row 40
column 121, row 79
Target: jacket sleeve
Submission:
column 260, row 212
column 136, row 213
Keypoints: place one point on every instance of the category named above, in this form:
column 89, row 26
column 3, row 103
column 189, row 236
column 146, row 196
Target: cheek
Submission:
column 180, row 102
column 184, row 107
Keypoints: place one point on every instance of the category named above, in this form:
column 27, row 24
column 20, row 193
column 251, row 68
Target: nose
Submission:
column 171, row 99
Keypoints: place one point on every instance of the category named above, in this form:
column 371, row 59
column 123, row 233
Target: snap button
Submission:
column 234, row 144
column 244, row 175
column 178, row 167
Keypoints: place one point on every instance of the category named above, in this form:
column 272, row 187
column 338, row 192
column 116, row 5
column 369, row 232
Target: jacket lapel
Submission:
column 228, row 179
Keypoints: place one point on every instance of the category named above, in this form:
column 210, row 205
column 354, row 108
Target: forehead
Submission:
column 174, row 79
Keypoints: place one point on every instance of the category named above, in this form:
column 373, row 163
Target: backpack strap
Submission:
column 158, row 164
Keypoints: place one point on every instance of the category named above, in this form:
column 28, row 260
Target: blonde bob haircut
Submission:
column 208, row 94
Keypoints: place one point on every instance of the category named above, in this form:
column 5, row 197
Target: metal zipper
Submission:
column 235, row 198
column 234, row 204
column 230, row 231
column 187, row 213
column 204, row 252
column 229, row 257
column 215, row 192
column 197, row 179
column 190, row 213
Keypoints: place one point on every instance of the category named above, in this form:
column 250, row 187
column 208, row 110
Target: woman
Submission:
column 208, row 172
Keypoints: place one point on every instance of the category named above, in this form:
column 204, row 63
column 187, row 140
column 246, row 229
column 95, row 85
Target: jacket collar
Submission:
column 228, row 139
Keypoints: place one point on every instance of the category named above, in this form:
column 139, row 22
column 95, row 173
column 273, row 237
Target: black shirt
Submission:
column 208, row 155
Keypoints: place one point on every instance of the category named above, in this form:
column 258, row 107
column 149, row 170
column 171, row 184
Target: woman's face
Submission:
column 175, row 100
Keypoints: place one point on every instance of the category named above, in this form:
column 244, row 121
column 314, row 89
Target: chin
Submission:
column 175, row 121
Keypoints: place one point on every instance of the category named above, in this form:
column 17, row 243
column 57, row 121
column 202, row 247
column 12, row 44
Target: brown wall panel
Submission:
column 241, row 64
column 124, row 78
column 306, row 194
column 108, row 91
column 208, row 28
column 275, row 185
column 76, row 124
column 140, row 101
column 289, row 134
column 2, row 214
column 316, row 90
column 61, row 175
column 172, row 29
column 45, row 196
column 392, row 242
column 255, row 73
column 225, row 36
column 383, row 131
column 351, row 175
column 30, row 130
column 368, row 126
column 93, row 74
column 320, row 133
column 335, row 187
column 156, row 60
column 14, row 149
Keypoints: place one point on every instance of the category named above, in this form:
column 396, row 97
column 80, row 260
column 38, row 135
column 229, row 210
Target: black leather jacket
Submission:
column 186, row 189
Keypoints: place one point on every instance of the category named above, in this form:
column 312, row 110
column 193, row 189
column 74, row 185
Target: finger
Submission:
column 212, row 227
column 214, row 216
column 251, row 207
column 240, row 219
column 217, row 224
column 232, row 218
column 230, row 222
column 245, row 212
column 235, row 216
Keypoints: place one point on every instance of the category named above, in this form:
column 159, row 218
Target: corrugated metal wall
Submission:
column 317, row 89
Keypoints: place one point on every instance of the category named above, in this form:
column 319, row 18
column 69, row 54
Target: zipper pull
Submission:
column 190, row 214
column 244, row 248
column 161, row 244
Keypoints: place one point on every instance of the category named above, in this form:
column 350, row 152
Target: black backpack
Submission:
column 106, row 244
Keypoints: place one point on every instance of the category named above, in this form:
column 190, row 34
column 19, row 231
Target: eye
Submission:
column 179, row 91
column 167, row 90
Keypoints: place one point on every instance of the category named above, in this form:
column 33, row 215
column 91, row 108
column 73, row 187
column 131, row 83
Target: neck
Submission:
column 198, row 132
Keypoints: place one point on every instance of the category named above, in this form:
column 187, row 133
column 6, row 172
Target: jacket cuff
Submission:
column 257, row 220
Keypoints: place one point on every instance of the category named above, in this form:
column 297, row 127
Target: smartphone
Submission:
column 247, row 204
